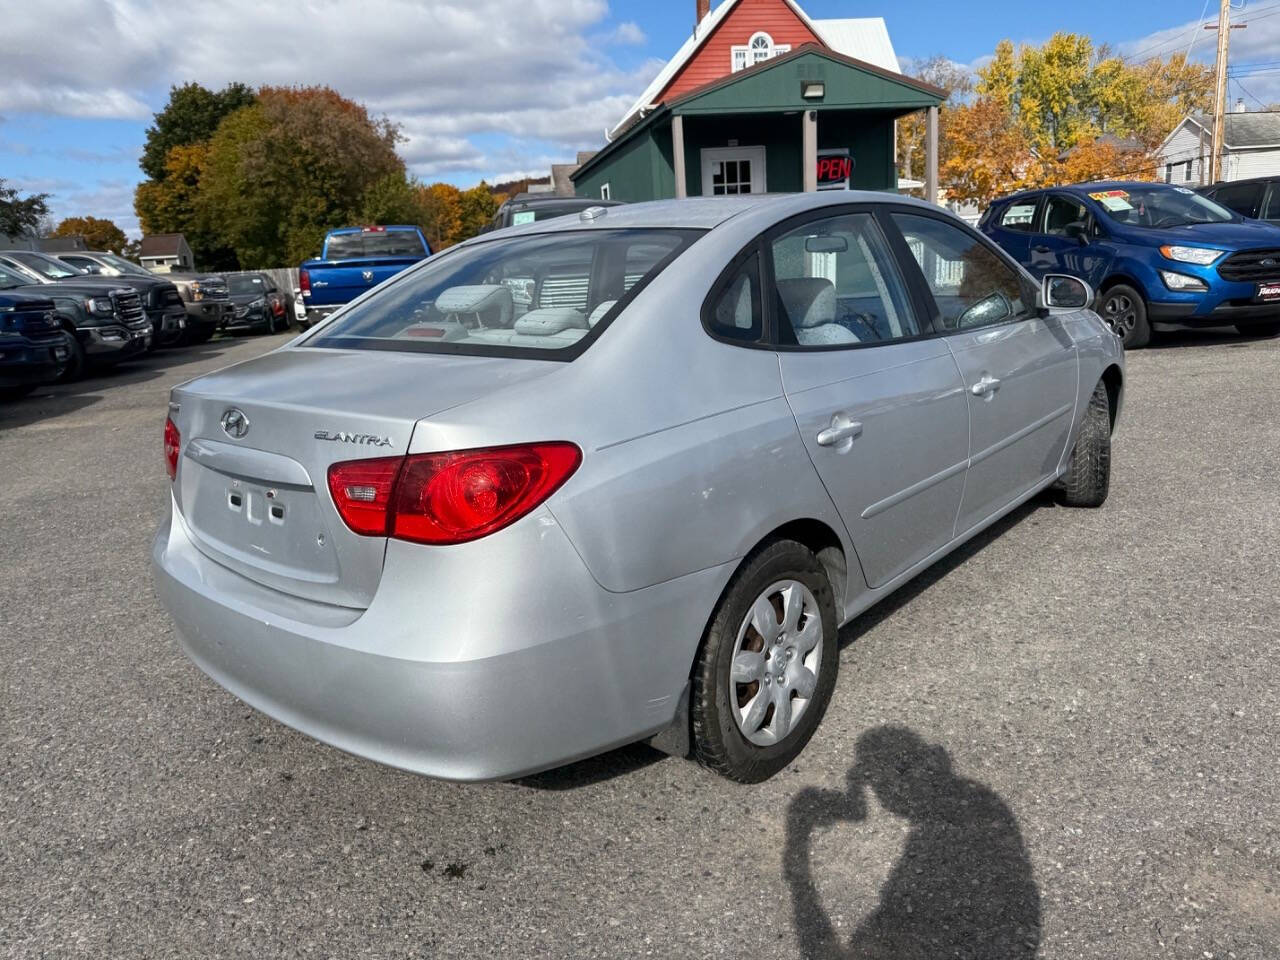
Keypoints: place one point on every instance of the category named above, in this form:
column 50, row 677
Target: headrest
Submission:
column 549, row 320
column 809, row 301
column 477, row 298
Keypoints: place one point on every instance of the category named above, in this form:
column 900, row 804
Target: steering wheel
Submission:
column 1167, row 218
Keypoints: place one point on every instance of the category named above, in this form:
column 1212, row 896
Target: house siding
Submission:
column 1243, row 164
column 715, row 58
column 640, row 170
column 1184, row 145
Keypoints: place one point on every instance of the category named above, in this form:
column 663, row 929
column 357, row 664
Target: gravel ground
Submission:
column 1088, row 698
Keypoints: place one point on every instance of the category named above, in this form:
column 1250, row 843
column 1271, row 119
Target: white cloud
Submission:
column 627, row 34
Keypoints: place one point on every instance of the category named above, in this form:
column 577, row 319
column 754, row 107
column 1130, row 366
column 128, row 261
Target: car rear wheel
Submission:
column 767, row 665
column 1125, row 312
column 1088, row 477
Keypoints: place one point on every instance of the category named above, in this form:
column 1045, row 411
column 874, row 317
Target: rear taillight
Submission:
column 172, row 444
column 304, row 282
column 453, row 497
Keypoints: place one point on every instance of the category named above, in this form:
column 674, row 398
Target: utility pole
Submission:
column 1224, row 29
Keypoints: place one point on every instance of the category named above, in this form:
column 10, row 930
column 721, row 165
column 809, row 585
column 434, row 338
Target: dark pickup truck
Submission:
column 33, row 347
column 356, row 259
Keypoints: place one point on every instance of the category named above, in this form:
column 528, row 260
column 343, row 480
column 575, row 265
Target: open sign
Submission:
column 835, row 167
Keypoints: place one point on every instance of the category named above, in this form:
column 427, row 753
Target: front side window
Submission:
column 127, row 267
column 836, row 283
column 1243, row 198
column 971, row 285
column 538, row 295
column 1018, row 216
column 1062, row 211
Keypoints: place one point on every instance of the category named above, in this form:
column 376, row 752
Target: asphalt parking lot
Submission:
column 1090, row 695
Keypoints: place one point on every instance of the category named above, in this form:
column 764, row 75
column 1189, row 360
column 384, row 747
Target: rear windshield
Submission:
column 1159, row 206
column 374, row 243
column 545, row 295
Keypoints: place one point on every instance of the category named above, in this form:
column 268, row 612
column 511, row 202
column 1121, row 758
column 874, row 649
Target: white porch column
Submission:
column 677, row 154
column 931, row 157
column 810, row 161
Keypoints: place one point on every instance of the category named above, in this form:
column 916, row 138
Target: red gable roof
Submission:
column 714, row 59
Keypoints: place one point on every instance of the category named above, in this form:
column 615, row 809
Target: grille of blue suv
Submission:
column 1251, row 265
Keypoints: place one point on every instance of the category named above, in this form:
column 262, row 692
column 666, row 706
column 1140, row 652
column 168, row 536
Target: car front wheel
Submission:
column 1125, row 312
column 767, row 665
column 1088, row 477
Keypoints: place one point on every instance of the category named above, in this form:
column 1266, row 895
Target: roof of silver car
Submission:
column 703, row 213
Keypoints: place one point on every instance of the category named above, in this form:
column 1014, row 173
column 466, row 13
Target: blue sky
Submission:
column 482, row 88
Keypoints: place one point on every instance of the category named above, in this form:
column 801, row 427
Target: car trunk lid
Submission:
column 259, row 438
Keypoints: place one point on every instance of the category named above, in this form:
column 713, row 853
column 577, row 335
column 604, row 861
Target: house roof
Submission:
column 865, row 39
column 63, row 244
column 929, row 94
column 162, row 245
column 1243, row 130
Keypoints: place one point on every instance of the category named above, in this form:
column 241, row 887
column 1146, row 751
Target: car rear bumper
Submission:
column 456, row 681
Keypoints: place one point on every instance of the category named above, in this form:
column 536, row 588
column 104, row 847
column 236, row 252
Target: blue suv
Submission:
column 1158, row 255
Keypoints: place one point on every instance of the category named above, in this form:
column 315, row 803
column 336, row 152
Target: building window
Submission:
column 757, row 50
column 1168, row 173
column 606, row 193
column 1187, row 173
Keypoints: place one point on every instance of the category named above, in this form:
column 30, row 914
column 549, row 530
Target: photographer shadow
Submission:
column 963, row 886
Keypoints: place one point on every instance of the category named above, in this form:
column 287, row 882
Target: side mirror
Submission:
column 1079, row 230
column 1061, row 292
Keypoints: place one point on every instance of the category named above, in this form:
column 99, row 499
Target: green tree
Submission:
column 190, row 116
column 291, row 166
column 171, row 205
column 19, row 215
column 476, row 208
column 98, row 233
column 394, row 199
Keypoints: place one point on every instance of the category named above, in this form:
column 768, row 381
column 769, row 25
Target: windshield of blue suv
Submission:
column 1158, row 206
column 540, row 295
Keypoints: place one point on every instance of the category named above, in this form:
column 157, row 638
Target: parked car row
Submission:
column 1159, row 256
column 63, row 314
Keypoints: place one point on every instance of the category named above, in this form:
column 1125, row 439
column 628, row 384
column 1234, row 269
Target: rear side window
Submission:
column 971, row 285
column 1018, row 216
column 374, row 243
column 734, row 310
column 1243, row 198
column 540, row 295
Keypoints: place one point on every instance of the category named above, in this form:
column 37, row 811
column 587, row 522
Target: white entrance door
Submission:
column 727, row 170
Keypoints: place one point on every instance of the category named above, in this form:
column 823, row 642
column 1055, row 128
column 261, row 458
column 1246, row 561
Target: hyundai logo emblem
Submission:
column 368, row 275
column 234, row 423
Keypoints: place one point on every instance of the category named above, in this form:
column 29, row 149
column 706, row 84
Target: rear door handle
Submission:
column 985, row 387
column 841, row 429
column 1041, row 248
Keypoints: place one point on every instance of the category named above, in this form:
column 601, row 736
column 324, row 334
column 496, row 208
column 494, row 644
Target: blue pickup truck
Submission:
column 356, row 259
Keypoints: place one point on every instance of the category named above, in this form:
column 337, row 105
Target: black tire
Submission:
column 1124, row 310
column 1088, row 476
column 1265, row 328
column 16, row 392
column 74, row 369
column 718, row 741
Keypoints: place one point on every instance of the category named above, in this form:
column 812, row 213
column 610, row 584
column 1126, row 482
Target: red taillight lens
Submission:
column 361, row 491
column 449, row 497
column 304, row 281
column 172, row 444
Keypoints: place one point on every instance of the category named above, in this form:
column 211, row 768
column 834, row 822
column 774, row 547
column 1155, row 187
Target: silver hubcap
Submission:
column 775, row 662
column 1121, row 314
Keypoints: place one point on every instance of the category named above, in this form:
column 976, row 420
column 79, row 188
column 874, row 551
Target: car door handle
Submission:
column 1041, row 248
column 985, row 387
column 842, row 428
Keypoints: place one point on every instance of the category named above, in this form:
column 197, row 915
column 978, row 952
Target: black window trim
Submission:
column 1031, row 288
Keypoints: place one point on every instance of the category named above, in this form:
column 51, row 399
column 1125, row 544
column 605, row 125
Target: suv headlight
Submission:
column 100, row 306
column 1201, row 256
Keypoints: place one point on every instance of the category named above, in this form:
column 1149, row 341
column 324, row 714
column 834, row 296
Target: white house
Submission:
column 166, row 253
column 1251, row 148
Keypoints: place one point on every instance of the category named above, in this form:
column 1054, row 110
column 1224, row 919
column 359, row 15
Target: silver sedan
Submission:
column 621, row 476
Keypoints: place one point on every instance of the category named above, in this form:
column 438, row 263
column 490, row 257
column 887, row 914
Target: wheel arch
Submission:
column 1113, row 379
column 1120, row 277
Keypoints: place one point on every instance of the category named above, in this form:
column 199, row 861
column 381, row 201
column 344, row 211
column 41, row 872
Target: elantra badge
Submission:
column 234, row 423
column 364, row 439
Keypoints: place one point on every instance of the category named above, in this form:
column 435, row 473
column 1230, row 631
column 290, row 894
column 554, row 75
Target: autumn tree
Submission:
column 20, row 215
column 286, row 169
column 476, row 208
column 171, row 205
column 190, row 116
column 99, row 234
column 957, row 82
column 442, row 214
column 985, row 154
